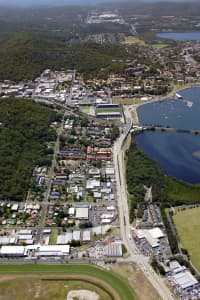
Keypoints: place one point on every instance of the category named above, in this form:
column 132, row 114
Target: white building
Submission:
column 52, row 250
column 71, row 211
column 82, row 213
column 86, row 236
column 184, row 280
column 114, row 249
column 13, row 251
column 76, row 235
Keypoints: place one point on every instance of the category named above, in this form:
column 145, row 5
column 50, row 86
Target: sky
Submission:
column 60, row 2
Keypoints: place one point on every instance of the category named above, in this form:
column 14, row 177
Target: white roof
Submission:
column 76, row 235
column 25, row 231
column 139, row 233
column 156, row 233
column 106, row 216
column 106, row 190
column 25, row 236
column 68, row 237
column 64, row 238
column 47, row 230
column 29, row 242
column 71, row 211
column 15, row 207
column 12, row 240
column 105, row 221
column 185, row 279
column 97, row 230
column 114, row 249
column 12, row 250
column 91, row 184
column 82, row 213
column 110, row 171
column 61, row 239
column 4, row 240
column 110, row 208
column 86, row 235
column 97, row 195
column 174, row 264
column 145, row 233
column 53, row 250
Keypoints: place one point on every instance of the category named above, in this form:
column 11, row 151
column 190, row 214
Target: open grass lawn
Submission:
column 123, row 101
column 53, row 236
column 118, row 283
column 108, row 110
column 188, row 224
column 159, row 46
column 131, row 40
column 86, row 110
column 33, row 288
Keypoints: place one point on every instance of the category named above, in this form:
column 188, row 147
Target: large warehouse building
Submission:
column 35, row 250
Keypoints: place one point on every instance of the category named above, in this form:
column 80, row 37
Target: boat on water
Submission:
column 178, row 96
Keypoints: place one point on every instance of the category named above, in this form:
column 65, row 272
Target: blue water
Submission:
column 178, row 154
column 180, row 114
column 180, row 36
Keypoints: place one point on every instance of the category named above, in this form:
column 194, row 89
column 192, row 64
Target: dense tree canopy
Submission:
column 25, row 56
column 24, row 133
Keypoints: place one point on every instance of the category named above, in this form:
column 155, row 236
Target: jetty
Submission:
column 141, row 127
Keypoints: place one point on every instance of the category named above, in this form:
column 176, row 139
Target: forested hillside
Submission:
column 24, row 133
column 25, row 56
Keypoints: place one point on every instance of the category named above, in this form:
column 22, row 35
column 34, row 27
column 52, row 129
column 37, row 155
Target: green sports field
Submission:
column 108, row 110
column 187, row 224
column 119, row 284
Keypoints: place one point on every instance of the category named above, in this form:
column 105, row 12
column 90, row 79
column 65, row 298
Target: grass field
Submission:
column 53, row 236
column 187, row 224
column 33, row 288
column 108, row 110
column 159, row 46
column 123, row 101
column 122, row 288
column 131, row 40
column 86, row 110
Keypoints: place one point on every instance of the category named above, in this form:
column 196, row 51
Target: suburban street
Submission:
column 48, row 189
column 125, row 227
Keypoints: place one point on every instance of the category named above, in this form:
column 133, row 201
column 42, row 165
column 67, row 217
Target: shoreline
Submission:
column 134, row 107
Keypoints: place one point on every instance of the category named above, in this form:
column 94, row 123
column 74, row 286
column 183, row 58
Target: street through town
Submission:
column 125, row 227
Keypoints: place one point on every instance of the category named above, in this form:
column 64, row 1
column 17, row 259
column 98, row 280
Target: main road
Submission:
column 45, row 201
column 125, row 228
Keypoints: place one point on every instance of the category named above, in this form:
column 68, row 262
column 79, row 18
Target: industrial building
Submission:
column 114, row 249
column 184, row 280
column 152, row 236
column 13, row 251
column 35, row 250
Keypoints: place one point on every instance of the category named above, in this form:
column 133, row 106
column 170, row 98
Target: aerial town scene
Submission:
column 100, row 150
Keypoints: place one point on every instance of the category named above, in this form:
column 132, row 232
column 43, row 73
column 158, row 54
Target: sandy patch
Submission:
column 82, row 295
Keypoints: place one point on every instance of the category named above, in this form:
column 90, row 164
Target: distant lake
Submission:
column 178, row 154
column 180, row 36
